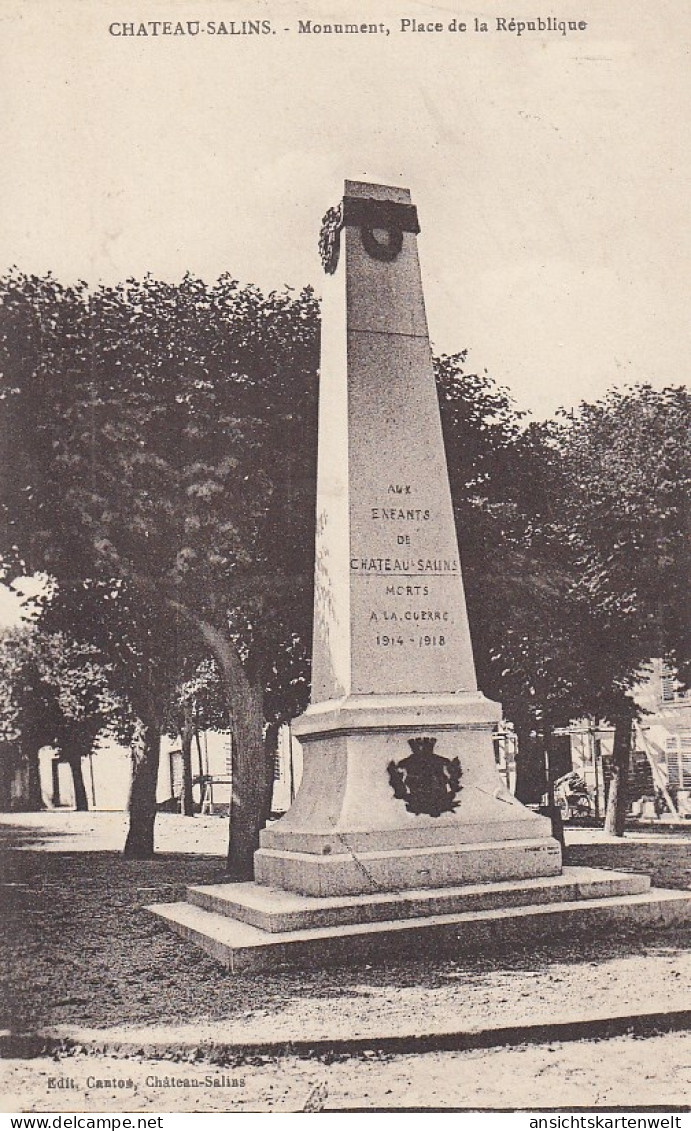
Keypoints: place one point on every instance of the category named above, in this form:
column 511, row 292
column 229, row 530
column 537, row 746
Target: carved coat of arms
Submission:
column 427, row 782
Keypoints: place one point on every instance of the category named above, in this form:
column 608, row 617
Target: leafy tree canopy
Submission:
column 162, row 472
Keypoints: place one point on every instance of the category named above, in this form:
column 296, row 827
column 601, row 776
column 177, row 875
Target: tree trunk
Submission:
column 530, row 766
column 617, row 800
column 552, row 811
column 186, row 729
column 199, row 746
column 34, row 797
column 74, row 760
column 141, row 806
column 249, row 764
column 545, row 748
column 55, row 775
column 270, row 755
column 248, row 780
column 9, row 764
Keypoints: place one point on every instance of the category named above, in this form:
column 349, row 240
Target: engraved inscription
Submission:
column 401, row 514
column 406, row 614
column 404, row 565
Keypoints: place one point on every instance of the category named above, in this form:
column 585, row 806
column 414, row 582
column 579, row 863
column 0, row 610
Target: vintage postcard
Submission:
column 345, row 732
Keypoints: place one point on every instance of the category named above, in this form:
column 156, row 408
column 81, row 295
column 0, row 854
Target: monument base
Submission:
column 352, row 873
column 251, row 927
column 365, row 820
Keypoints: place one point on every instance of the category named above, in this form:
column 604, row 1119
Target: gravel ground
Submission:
column 620, row 1073
column 85, row 961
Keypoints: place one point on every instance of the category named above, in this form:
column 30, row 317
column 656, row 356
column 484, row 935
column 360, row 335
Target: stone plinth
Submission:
column 249, row 927
column 284, row 911
column 392, row 655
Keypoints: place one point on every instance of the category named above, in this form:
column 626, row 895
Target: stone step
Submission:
column 239, row 946
column 275, row 910
column 353, row 869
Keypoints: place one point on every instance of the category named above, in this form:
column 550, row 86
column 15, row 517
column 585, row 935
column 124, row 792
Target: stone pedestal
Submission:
column 393, row 658
column 347, row 831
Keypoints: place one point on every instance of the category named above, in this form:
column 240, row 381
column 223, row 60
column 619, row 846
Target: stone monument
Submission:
column 400, row 788
column 402, row 828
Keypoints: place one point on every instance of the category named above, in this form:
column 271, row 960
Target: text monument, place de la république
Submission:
column 402, row 832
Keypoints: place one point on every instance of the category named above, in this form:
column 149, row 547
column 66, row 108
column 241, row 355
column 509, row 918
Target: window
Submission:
column 678, row 755
column 669, row 687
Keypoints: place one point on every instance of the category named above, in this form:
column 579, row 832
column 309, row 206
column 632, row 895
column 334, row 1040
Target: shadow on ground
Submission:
column 27, row 836
column 667, row 864
column 80, row 948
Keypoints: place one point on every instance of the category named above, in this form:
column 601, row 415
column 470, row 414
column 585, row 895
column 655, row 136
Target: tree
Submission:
column 198, row 703
column 54, row 693
column 626, row 466
column 86, row 703
column 28, row 715
column 138, row 650
column 574, row 539
column 517, row 568
column 164, row 441
column 166, row 459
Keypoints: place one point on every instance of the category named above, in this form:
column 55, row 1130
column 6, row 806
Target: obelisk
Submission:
column 400, row 788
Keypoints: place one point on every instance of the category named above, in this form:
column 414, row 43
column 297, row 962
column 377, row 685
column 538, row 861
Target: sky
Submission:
column 551, row 172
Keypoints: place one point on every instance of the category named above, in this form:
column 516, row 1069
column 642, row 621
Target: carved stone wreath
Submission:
column 371, row 217
column 386, row 251
column 330, row 239
column 427, row 782
column 390, row 217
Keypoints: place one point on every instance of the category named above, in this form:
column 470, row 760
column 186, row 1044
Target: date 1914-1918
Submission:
column 385, row 641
